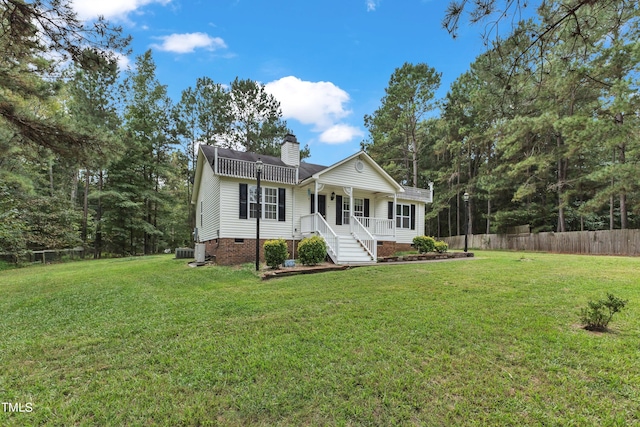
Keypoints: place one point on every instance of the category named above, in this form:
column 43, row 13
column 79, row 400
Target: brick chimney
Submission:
column 290, row 151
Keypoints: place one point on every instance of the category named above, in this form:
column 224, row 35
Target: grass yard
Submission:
column 488, row 341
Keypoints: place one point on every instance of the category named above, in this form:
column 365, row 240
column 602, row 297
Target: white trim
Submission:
column 316, row 208
column 263, row 203
column 215, row 161
column 403, row 216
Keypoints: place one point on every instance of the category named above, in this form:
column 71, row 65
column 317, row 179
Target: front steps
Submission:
column 352, row 252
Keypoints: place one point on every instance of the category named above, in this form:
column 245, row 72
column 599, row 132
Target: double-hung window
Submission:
column 403, row 216
column 269, row 201
column 346, row 210
column 253, row 201
column 358, row 209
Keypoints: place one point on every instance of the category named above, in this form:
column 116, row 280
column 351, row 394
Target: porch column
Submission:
column 315, row 204
column 350, row 208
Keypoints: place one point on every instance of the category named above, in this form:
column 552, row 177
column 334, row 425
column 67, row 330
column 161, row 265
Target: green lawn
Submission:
column 488, row 341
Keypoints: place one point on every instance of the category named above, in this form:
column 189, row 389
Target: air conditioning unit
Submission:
column 200, row 252
column 184, row 253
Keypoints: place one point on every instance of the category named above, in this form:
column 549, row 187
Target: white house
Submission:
column 362, row 212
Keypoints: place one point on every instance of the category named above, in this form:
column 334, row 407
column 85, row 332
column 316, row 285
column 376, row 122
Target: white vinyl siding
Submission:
column 406, row 235
column 302, row 207
column 233, row 227
column 346, row 175
column 208, row 206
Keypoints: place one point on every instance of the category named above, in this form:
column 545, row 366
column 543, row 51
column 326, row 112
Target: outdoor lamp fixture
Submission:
column 259, row 166
column 466, row 218
column 333, row 195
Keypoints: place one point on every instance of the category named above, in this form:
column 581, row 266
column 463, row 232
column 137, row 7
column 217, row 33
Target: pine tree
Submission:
column 134, row 183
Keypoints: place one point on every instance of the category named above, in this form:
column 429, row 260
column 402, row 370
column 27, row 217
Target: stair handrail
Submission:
column 330, row 237
column 363, row 236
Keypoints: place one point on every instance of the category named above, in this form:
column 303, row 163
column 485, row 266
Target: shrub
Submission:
column 5, row 265
column 424, row 244
column 312, row 250
column 598, row 314
column 275, row 252
column 441, row 247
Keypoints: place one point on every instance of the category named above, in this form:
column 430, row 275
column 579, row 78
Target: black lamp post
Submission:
column 259, row 212
column 466, row 218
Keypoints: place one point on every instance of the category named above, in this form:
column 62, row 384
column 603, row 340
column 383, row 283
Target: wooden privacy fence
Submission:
column 604, row 242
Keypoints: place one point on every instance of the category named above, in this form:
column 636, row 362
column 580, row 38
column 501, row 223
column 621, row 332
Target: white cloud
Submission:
column 90, row 9
column 317, row 103
column 371, row 5
column 123, row 61
column 321, row 104
column 188, row 42
column 340, row 133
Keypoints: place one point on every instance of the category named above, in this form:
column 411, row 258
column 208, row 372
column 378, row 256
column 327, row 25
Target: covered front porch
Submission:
column 351, row 220
column 351, row 205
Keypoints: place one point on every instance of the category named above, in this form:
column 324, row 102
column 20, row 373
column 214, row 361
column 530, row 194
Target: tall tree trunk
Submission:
column 623, row 194
column 51, row 178
column 561, row 219
column 611, row 199
column 458, row 204
column 97, row 250
column 414, row 158
column 85, row 210
column 561, row 180
column 147, row 204
column 74, row 187
column 415, row 169
column 489, row 215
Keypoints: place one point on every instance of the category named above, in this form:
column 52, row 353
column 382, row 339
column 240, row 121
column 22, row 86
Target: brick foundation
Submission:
column 388, row 248
column 237, row 251
column 241, row 251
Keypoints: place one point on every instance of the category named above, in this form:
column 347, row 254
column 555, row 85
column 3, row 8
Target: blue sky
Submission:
column 327, row 62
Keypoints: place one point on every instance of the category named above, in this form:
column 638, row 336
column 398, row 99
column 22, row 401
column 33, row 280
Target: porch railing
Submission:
column 315, row 223
column 378, row 226
column 245, row 169
column 363, row 236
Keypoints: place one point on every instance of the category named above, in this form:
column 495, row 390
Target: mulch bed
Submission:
column 302, row 269
column 327, row 266
column 426, row 257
